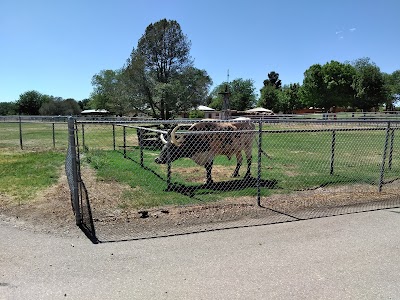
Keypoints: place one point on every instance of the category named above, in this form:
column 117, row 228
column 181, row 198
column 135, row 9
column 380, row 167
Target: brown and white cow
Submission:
column 230, row 138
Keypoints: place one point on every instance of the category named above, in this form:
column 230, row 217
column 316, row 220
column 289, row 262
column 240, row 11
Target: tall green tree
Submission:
column 105, row 86
column 328, row 85
column 392, row 86
column 289, row 98
column 242, row 94
column 270, row 92
column 84, row 104
column 338, row 80
column 30, row 102
column 313, row 89
column 269, row 98
column 162, row 54
column 273, row 80
column 189, row 89
column 369, row 85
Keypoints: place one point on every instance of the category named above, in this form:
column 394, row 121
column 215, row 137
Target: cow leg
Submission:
column 239, row 160
column 248, row 172
column 208, row 167
column 249, row 160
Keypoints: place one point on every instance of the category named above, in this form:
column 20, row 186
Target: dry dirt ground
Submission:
column 51, row 210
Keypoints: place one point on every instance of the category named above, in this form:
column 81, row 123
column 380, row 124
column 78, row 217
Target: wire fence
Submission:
column 33, row 133
column 156, row 178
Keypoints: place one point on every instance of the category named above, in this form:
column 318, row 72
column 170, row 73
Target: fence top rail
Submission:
column 328, row 129
column 284, row 130
column 143, row 128
column 263, row 121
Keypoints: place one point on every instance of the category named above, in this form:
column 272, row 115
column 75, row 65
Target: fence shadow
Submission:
column 222, row 186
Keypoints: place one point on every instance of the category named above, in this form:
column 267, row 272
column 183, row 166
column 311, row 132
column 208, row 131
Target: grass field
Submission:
column 295, row 161
column 34, row 136
column 24, row 173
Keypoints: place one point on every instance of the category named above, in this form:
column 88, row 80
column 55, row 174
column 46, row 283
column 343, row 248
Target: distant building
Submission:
column 95, row 112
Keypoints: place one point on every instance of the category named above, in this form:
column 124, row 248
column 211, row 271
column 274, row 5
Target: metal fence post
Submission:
column 140, row 139
column 20, row 133
column 259, row 163
column 74, row 170
column 54, row 135
column 384, row 157
column 113, row 130
column 83, row 137
column 124, row 131
column 391, row 149
column 333, row 150
column 169, row 161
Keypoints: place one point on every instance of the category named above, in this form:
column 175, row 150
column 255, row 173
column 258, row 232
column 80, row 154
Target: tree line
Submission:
column 159, row 78
column 34, row 103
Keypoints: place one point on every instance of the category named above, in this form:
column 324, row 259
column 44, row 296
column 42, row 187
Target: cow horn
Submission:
column 162, row 138
column 174, row 140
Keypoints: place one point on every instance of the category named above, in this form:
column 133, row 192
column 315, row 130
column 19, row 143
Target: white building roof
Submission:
column 94, row 111
column 204, row 108
column 259, row 110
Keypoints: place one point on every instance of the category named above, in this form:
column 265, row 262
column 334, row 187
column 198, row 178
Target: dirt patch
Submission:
column 51, row 210
column 198, row 174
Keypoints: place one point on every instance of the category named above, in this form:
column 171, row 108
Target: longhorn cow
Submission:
column 213, row 138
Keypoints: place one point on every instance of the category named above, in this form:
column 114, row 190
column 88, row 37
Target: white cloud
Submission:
column 352, row 29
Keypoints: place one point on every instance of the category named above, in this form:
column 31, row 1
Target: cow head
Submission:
column 173, row 150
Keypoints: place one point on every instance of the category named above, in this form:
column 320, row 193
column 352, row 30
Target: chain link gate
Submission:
column 160, row 178
column 79, row 194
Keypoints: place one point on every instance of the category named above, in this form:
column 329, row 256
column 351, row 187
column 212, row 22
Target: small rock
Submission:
column 144, row 213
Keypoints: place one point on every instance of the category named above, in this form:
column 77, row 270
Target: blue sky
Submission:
column 55, row 47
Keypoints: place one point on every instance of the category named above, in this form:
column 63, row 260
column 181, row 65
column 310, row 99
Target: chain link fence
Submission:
column 157, row 178
column 34, row 133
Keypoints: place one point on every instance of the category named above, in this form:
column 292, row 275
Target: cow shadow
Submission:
column 222, row 186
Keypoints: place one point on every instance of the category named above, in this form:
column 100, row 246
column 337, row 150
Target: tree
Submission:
column 328, row 85
column 313, row 89
column 273, row 80
column 8, row 108
column 189, row 89
column 338, row 80
column 105, row 84
column 162, row 54
column 51, row 107
column 70, row 107
column 392, row 86
column 242, row 94
column 289, row 98
column 269, row 97
column 56, row 106
column 84, row 104
column 30, row 102
column 368, row 84
column 138, row 84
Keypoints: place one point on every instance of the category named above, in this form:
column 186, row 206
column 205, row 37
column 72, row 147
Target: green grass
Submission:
column 24, row 174
column 34, row 135
column 296, row 161
column 147, row 187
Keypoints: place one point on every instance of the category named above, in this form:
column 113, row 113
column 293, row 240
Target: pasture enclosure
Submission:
column 300, row 169
column 33, row 133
